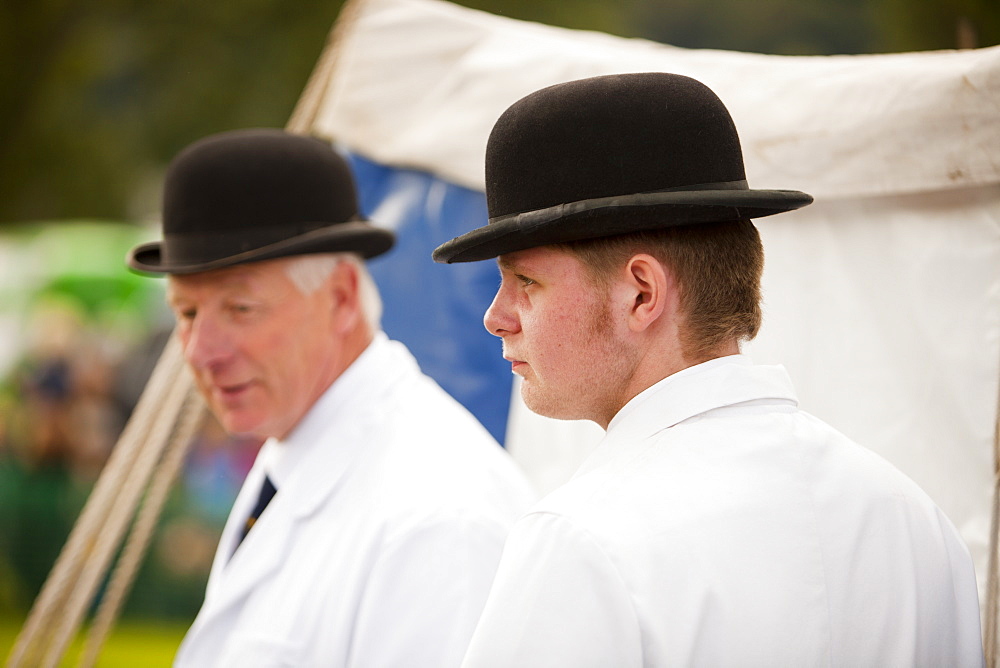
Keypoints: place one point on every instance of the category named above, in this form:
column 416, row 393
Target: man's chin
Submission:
column 547, row 406
column 241, row 425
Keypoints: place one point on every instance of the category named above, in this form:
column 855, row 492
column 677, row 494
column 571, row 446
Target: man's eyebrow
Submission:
column 505, row 262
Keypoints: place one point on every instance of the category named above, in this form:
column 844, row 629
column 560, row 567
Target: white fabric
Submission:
column 882, row 298
column 419, row 83
column 719, row 525
column 381, row 543
column 886, row 312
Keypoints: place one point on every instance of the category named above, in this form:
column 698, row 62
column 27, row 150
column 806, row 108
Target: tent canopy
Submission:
column 419, row 83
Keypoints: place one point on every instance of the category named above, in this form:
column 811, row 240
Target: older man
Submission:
column 716, row 524
column 369, row 529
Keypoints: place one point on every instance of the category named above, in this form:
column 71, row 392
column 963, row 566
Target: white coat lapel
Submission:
column 268, row 545
column 234, row 524
column 255, row 560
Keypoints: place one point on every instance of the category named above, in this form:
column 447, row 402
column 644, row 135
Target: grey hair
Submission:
column 308, row 272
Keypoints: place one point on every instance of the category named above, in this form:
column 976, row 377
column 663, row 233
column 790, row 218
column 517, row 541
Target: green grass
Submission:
column 131, row 644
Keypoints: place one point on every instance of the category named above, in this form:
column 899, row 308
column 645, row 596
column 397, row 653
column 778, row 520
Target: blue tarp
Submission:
column 437, row 310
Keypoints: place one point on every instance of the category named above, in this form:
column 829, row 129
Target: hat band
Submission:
column 529, row 220
column 199, row 247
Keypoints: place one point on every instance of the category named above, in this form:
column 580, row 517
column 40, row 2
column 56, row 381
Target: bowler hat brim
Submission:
column 610, row 216
column 350, row 237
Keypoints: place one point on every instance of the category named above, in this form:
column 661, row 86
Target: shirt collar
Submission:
column 723, row 381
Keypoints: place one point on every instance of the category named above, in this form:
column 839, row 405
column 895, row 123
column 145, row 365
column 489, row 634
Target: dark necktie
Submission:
column 267, row 491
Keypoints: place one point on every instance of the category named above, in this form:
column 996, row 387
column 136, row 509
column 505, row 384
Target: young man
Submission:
column 370, row 527
column 716, row 524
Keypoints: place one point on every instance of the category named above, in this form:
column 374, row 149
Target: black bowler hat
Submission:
column 251, row 195
column 611, row 155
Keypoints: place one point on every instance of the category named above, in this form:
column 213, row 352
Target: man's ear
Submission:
column 652, row 290
column 343, row 287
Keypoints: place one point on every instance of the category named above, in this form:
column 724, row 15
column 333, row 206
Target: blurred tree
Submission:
column 612, row 16
column 918, row 25
column 99, row 94
column 784, row 27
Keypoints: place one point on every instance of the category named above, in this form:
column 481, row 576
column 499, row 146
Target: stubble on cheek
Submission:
column 572, row 384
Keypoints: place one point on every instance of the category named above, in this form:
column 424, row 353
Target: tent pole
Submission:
column 303, row 116
column 111, row 533
column 992, row 613
column 192, row 414
column 990, row 616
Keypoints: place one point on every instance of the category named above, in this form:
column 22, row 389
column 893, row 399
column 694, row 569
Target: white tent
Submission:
column 882, row 298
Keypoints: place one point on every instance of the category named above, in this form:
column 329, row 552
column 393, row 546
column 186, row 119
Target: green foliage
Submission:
column 912, row 25
column 784, row 27
column 99, row 95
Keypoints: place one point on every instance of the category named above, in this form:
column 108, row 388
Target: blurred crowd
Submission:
column 63, row 406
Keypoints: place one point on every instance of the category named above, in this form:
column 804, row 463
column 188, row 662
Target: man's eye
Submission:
column 525, row 280
column 241, row 309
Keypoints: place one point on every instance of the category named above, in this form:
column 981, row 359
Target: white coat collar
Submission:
column 724, row 381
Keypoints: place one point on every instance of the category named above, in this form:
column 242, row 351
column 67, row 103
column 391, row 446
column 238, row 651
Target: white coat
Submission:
column 718, row 525
column 381, row 543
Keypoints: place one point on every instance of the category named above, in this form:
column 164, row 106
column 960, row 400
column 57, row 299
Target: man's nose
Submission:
column 205, row 343
column 500, row 319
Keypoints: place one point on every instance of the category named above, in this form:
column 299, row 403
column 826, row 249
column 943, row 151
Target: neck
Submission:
column 655, row 365
column 354, row 344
